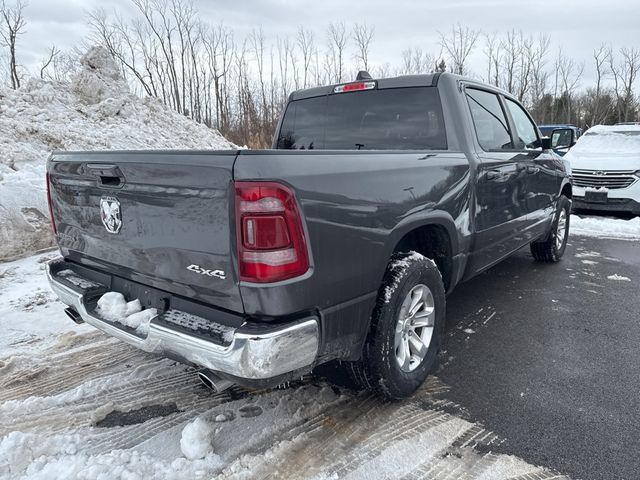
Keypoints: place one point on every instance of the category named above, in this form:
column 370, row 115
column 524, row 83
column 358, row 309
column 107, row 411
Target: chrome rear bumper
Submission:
column 252, row 356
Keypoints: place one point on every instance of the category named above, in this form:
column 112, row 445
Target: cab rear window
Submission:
column 388, row 119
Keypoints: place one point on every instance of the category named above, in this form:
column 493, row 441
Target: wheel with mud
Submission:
column 406, row 328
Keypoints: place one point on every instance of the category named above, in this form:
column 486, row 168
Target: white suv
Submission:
column 605, row 166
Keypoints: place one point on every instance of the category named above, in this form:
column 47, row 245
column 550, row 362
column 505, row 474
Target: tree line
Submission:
column 240, row 84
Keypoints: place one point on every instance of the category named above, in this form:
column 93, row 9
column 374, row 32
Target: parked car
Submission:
column 563, row 139
column 339, row 245
column 605, row 166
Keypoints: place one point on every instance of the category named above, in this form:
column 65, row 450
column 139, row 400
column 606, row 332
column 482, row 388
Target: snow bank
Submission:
column 606, row 227
column 96, row 111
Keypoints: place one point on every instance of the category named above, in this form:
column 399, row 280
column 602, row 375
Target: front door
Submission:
column 543, row 170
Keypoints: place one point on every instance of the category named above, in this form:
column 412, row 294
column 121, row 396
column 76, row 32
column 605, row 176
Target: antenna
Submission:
column 363, row 75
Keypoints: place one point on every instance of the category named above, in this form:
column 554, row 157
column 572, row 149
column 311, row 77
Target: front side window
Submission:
column 387, row 119
column 489, row 120
column 527, row 137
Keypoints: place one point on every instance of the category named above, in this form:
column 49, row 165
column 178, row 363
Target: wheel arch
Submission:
column 434, row 236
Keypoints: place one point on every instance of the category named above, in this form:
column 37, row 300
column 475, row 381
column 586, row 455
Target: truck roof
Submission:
column 422, row 80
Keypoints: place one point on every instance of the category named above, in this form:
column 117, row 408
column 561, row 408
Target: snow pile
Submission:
column 196, row 439
column 606, row 227
column 114, row 307
column 95, row 112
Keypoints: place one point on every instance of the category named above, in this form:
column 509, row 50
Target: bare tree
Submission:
column 415, row 61
column 599, row 109
column 337, row 34
column 492, row 55
column 625, row 74
column 53, row 53
column 13, row 26
column 362, row 36
column 569, row 74
column 459, row 44
column 305, row 45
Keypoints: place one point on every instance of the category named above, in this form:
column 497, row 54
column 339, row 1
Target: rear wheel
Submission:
column 406, row 330
column 552, row 248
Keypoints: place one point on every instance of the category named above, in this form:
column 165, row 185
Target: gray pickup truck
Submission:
column 338, row 245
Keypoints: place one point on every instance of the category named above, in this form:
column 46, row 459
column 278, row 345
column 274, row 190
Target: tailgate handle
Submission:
column 108, row 175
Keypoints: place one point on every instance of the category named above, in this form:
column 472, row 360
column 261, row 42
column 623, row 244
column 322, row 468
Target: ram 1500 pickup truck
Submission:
column 338, row 245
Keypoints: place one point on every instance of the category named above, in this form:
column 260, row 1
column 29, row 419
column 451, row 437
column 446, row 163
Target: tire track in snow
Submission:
column 350, row 440
column 58, row 373
column 351, row 437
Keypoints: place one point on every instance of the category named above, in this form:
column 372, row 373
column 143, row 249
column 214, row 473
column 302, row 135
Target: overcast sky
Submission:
column 578, row 26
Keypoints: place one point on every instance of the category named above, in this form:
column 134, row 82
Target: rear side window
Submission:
column 388, row 119
column 489, row 120
column 527, row 135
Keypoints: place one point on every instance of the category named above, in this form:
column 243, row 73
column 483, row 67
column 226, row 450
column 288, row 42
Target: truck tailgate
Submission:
column 158, row 218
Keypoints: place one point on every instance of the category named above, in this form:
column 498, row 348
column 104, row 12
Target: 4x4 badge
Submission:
column 110, row 214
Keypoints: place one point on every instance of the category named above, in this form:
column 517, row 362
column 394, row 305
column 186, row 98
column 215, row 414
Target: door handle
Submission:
column 492, row 174
column 532, row 169
column 108, row 175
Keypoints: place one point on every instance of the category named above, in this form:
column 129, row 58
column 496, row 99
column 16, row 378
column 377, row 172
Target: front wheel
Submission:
column 406, row 330
column 552, row 248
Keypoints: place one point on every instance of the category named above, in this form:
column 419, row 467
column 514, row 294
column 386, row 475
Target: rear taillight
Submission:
column 270, row 237
column 53, row 221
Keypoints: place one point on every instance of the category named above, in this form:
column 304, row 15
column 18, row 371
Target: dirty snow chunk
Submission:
column 615, row 276
column 140, row 320
column 196, row 441
column 114, row 307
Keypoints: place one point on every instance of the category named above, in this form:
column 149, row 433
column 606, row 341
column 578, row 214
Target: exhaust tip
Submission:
column 73, row 314
column 213, row 382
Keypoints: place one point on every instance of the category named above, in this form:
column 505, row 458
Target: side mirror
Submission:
column 562, row 138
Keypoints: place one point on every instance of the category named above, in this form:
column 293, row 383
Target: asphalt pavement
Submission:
column 548, row 357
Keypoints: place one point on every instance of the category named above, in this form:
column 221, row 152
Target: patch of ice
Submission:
column 617, row 277
column 196, row 442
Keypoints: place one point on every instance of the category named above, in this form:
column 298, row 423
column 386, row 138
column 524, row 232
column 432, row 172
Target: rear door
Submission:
column 158, row 218
column 501, row 197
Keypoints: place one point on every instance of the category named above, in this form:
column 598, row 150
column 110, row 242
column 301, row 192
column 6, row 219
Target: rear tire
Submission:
column 552, row 248
column 407, row 326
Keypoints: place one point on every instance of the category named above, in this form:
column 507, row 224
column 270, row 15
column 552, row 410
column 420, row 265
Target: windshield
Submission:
column 390, row 119
column 609, row 141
